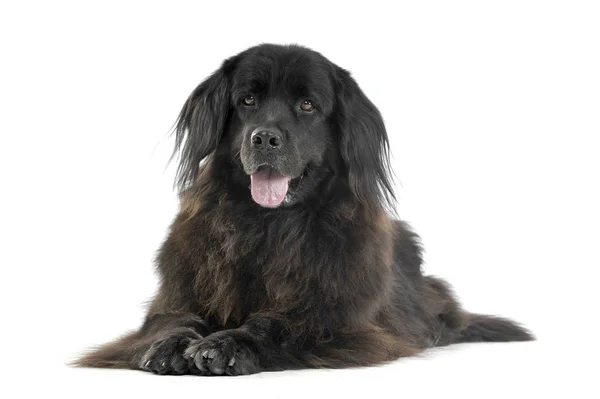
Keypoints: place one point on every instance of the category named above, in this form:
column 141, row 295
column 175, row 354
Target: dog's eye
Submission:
column 249, row 101
column 307, row 106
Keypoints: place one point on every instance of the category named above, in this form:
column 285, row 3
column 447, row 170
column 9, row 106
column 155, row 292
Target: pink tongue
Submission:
column 268, row 186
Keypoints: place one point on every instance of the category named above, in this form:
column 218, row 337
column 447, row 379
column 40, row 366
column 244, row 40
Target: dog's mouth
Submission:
column 269, row 187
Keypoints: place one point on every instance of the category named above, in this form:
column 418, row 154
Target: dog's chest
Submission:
column 266, row 267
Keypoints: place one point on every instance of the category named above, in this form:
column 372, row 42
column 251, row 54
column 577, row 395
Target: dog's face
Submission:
column 291, row 121
column 282, row 105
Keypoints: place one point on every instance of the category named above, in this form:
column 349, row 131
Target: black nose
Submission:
column 266, row 140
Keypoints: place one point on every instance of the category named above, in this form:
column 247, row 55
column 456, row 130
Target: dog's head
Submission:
column 292, row 123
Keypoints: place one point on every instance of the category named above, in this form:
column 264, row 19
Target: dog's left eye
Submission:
column 307, row 106
column 249, row 101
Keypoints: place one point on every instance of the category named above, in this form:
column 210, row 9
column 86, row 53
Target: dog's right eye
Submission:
column 249, row 101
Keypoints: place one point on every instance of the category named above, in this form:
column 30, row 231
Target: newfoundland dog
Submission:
column 283, row 254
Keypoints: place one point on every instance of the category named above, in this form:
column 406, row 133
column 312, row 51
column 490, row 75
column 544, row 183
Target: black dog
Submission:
column 283, row 254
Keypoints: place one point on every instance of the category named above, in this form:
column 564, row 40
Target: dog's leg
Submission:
column 253, row 347
column 263, row 344
column 158, row 346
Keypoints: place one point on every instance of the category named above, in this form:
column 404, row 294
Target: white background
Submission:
column 493, row 111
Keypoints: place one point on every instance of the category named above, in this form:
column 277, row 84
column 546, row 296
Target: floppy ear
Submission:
column 363, row 144
column 201, row 123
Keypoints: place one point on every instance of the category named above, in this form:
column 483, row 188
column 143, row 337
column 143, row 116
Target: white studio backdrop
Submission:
column 493, row 112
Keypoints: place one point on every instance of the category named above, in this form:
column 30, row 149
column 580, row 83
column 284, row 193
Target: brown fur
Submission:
column 330, row 281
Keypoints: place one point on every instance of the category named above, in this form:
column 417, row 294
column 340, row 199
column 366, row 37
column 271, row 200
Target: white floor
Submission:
column 492, row 112
column 519, row 370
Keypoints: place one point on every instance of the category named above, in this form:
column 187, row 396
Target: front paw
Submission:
column 229, row 352
column 166, row 356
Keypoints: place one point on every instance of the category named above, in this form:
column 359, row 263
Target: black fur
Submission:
column 314, row 273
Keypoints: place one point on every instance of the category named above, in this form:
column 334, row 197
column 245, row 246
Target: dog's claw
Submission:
column 231, row 362
column 212, row 353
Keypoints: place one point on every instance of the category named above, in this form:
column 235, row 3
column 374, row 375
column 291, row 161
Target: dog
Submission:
column 284, row 254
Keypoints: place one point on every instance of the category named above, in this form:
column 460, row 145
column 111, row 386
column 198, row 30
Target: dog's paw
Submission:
column 224, row 353
column 166, row 356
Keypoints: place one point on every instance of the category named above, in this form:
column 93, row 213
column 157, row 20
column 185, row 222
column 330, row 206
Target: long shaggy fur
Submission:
column 330, row 280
